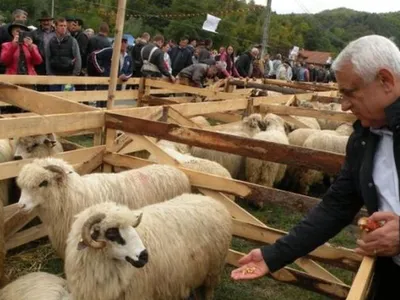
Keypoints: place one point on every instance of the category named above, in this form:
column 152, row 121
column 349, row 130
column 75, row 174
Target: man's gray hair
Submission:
column 18, row 12
column 368, row 55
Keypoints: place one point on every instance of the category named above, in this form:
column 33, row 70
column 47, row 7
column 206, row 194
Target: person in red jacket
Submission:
column 21, row 55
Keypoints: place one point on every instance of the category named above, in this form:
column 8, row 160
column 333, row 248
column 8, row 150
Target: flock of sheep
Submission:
column 145, row 233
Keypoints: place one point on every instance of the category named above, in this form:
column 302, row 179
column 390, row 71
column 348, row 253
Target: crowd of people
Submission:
column 62, row 47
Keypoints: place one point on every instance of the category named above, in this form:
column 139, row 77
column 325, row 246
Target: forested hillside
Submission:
column 326, row 31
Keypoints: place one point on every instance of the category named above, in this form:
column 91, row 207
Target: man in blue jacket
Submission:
column 368, row 75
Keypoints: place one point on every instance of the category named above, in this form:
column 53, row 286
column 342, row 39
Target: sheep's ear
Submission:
column 245, row 120
column 58, row 171
column 262, row 125
column 288, row 128
column 81, row 246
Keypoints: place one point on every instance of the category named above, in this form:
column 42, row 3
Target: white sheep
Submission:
column 36, row 286
column 265, row 172
column 299, row 136
column 6, row 154
column 59, row 192
column 345, row 129
column 234, row 163
column 323, row 142
column 38, row 146
column 161, row 252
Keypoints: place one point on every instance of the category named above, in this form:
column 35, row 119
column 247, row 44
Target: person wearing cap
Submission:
column 70, row 23
column 17, row 15
column 21, row 55
column 62, row 54
column 102, row 62
column 41, row 37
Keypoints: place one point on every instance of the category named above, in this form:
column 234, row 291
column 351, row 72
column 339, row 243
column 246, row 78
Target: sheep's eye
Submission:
column 44, row 183
column 114, row 235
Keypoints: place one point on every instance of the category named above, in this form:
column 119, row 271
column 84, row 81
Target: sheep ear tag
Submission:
column 81, row 245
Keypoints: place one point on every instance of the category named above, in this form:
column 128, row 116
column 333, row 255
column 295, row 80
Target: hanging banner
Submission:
column 211, row 23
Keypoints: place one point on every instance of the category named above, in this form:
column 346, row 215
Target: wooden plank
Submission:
column 300, row 85
column 94, row 96
column 11, row 128
column 300, row 279
column 180, row 119
column 191, row 90
column 269, row 87
column 339, row 257
column 139, row 112
column 16, row 222
column 286, row 154
column 12, row 169
column 362, row 281
column 43, row 104
column 46, row 80
column 306, row 112
column 115, row 60
column 224, row 117
column 26, row 236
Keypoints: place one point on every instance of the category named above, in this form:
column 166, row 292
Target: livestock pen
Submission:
column 164, row 118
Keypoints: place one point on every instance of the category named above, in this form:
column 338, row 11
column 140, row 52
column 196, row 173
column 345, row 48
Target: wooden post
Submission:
column 2, row 245
column 116, row 53
column 111, row 134
column 141, row 91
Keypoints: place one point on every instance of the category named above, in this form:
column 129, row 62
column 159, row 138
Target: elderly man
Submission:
column 244, row 64
column 368, row 75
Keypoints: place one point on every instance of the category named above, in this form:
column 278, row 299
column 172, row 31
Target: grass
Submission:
column 39, row 256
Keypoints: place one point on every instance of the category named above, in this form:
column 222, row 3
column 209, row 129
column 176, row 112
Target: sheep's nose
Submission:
column 17, row 157
column 144, row 256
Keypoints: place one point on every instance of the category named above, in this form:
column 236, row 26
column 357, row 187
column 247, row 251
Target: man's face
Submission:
column 45, row 24
column 367, row 101
column 61, row 28
column 20, row 17
column 70, row 26
column 75, row 27
column 183, row 43
column 124, row 45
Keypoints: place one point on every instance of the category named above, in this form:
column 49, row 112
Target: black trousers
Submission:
column 386, row 280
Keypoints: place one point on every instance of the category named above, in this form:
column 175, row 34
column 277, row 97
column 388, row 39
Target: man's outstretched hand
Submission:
column 253, row 266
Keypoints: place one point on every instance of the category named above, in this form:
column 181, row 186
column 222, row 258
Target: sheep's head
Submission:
column 254, row 121
column 37, row 146
column 112, row 228
column 273, row 121
column 39, row 180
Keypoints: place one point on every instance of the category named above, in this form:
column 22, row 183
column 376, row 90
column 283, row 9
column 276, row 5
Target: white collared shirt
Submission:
column 385, row 176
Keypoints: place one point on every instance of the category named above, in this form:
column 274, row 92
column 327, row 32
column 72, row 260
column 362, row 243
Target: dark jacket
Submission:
column 102, row 62
column 97, row 42
column 243, row 64
column 4, row 38
column 41, row 39
column 353, row 188
column 83, row 41
column 157, row 59
column 204, row 54
column 180, row 59
column 136, row 56
column 63, row 56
